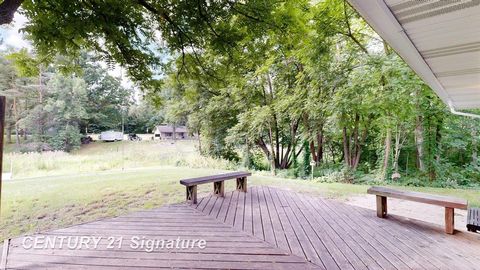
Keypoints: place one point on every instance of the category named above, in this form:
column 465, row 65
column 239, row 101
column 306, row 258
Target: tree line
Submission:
column 273, row 84
column 313, row 83
column 50, row 109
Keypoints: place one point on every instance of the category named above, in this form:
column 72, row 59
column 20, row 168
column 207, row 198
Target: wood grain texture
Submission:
column 473, row 218
column 381, row 206
column 4, row 255
column 213, row 178
column 449, row 220
column 444, row 201
column 2, row 127
column 265, row 228
column 226, row 248
column 334, row 235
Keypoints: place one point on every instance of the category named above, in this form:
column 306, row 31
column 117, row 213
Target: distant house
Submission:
column 165, row 132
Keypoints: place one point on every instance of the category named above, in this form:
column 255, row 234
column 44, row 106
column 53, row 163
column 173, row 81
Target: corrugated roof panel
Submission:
column 444, row 34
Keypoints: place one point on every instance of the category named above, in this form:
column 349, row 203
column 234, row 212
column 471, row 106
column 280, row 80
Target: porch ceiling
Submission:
column 439, row 39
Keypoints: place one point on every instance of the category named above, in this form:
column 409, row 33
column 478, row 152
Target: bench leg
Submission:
column 381, row 206
column 449, row 220
column 219, row 189
column 192, row 194
column 242, row 184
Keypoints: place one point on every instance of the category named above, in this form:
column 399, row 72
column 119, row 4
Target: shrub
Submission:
column 34, row 147
column 67, row 139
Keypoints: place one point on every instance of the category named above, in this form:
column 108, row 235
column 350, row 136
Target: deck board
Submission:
column 371, row 227
column 227, row 247
column 335, row 235
column 265, row 228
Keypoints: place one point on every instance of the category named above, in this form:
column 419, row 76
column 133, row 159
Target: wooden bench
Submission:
column 473, row 219
column 449, row 203
column 218, row 183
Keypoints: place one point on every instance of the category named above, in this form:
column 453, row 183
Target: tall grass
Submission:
column 99, row 156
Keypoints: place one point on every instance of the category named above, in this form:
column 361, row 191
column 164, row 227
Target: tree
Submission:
column 129, row 31
column 52, row 106
column 106, row 100
column 65, row 107
column 280, row 78
column 8, row 9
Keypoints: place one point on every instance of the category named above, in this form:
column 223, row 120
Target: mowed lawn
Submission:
column 39, row 204
column 58, row 200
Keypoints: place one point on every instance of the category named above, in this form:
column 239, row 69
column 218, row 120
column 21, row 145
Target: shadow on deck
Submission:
column 265, row 228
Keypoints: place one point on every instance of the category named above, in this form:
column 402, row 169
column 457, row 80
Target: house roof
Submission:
column 440, row 40
column 168, row 128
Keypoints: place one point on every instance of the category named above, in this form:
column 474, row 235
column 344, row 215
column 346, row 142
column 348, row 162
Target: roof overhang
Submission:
column 439, row 39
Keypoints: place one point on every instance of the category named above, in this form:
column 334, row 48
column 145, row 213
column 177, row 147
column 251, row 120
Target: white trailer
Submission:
column 111, row 136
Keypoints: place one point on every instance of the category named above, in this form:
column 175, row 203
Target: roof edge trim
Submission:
column 379, row 16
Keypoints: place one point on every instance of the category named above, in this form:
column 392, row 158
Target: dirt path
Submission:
column 420, row 211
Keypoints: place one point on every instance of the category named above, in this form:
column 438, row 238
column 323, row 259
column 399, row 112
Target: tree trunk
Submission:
column 277, row 141
column 358, row 149
column 272, row 151
column 9, row 133
column 419, row 132
column 313, row 151
column 396, row 154
column 386, row 155
column 199, row 143
column 474, row 147
column 40, row 88
column 286, row 159
column 261, row 143
column 320, row 147
column 438, row 139
column 8, row 9
column 9, row 124
column 346, row 147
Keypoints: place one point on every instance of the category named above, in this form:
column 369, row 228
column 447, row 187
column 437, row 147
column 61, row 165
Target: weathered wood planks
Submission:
column 473, row 219
column 334, row 235
column 449, row 203
column 439, row 200
column 227, row 248
column 266, row 228
column 218, row 184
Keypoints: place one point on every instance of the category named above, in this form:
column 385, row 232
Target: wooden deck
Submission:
column 266, row 228
column 334, row 235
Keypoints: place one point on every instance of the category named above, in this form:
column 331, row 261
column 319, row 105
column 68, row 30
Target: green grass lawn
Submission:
column 100, row 156
column 42, row 203
column 79, row 189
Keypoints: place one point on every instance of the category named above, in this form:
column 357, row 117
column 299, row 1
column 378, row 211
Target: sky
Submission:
column 12, row 38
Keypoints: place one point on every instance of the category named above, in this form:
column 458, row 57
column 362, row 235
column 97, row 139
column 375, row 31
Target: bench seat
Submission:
column 473, row 219
column 450, row 203
column 218, row 183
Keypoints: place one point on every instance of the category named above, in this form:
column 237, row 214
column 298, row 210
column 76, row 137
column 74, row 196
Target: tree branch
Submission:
column 350, row 34
column 8, row 9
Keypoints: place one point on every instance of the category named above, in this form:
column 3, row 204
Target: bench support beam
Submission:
column 242, row 184
column 192, row 194
column 449, row 203
column 219, row 188
column 449, row 220
column 381, row 206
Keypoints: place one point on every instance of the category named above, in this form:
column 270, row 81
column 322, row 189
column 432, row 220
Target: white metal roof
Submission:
column 439, row 39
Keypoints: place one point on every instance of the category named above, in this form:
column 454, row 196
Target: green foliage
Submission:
column 65, row 111
column 66, row 139
column 50, row 110
column 24, row 63
column 306, row 167
column 282, row 82
column 107, row 101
